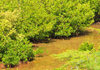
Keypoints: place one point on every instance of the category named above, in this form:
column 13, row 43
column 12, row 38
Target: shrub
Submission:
column 86, row 46
column 14, row 51
column 40, row 19
column 13, row 46
column 11, row 58
column 8, row 22
column 21, row 20
column 72, row 17
column 95, row 6
column 24, row 50
column 57, row 18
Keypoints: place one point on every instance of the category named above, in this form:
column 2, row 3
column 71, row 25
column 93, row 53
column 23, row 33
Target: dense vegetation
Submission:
column 22, row 20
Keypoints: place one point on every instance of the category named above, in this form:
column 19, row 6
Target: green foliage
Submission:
column 21, row 20
column 8, row 22
column 39, row 19
column 14, row 51
column 10, row 58
column 38, row 51
column 71, row 16
column 86, row 46
column 84, row 58
column 80, row 60
column 13, row 46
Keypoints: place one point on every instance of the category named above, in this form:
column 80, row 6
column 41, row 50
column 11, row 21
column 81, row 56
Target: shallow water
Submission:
column 55, row 46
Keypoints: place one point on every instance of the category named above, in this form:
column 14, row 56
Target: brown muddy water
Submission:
column 56, row 46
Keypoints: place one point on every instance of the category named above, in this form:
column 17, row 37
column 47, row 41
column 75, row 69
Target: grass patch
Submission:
column 80, row 59
column 96, row 29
